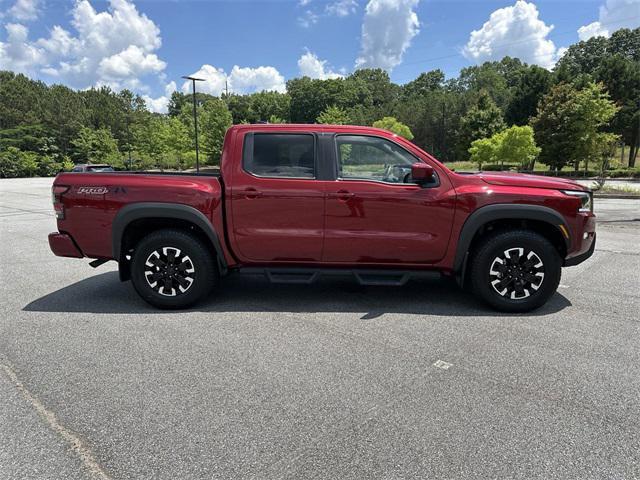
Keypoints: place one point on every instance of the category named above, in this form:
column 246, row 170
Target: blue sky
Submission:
column 148, row 45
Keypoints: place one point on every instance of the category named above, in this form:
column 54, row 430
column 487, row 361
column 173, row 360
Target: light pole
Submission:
column 195, row 117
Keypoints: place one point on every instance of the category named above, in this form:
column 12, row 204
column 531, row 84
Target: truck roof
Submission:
column 310, row 127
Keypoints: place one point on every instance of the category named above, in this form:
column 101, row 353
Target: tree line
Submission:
column 501, row 113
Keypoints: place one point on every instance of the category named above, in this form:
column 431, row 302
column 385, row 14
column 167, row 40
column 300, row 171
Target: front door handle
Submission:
column 252, row 193
column 344, row 196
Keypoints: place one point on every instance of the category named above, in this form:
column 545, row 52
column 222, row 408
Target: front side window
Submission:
column 281, row 155
column 373, row 158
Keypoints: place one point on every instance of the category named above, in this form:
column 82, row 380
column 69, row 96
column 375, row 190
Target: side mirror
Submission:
column 422, row 173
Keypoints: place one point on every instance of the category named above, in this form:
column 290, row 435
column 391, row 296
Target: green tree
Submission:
column 240, row 108
column 621, row 77
column 178, row 142
column 517, row 145
column 484, row 151
column 481, row 121
column 16, row 163
column 585, row 57
column 333, row 115
column 434, row 119
column 569, row 124
column 96, row 146
column 65, row 115
column 310, row 97
column 393, row 125
column 263, row 105
column 215, row 119
column 532, row 85
column 425, row 83
column 176, row 103
column 22, row 100
column 495, row 79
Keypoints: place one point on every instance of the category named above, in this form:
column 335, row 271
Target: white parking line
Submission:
column 71, row 438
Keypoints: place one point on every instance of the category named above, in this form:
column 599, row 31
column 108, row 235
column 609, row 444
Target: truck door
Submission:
column 375, row 215
column 277, row 203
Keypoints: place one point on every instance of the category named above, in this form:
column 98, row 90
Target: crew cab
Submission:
column 295, row 202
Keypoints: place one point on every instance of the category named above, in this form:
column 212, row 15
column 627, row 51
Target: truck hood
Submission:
column 526, row 180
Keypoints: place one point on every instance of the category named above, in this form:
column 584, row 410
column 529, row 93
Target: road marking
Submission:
column 442, row 364
column 71, row 438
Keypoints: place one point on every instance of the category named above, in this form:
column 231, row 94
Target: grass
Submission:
column 614, row 165
column 619, row 189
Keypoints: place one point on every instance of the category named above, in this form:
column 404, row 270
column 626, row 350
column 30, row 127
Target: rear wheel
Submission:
column 172, row 269
column 515, row 271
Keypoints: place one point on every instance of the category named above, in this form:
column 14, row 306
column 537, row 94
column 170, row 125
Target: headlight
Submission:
column 586, row 199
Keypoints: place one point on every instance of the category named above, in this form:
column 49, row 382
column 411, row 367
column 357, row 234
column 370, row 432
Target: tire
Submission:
column 515, row 271
column 172, row 269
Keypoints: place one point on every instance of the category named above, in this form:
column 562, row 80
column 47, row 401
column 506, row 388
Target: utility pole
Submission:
column 195, row 117
column 129, row 142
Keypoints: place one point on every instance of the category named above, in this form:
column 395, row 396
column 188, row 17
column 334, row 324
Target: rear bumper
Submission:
column 63, row 245
column 570, row 262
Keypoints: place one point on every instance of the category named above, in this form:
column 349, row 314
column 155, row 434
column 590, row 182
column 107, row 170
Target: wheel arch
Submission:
column 538, row 218
column 138, row 219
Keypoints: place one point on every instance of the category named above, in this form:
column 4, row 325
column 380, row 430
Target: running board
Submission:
column 306, row 276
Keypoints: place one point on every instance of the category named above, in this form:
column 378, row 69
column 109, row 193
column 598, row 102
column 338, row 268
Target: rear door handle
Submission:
column 252, row 193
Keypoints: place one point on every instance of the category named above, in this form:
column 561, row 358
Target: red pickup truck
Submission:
column 294, row 202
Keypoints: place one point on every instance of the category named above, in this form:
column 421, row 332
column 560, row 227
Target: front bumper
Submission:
column 570, row 262
column 63, row 245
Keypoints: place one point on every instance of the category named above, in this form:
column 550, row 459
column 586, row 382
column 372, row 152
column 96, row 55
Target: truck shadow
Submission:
column 104, row 293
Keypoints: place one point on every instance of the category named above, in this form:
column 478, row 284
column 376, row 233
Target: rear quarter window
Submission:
column 282, row 155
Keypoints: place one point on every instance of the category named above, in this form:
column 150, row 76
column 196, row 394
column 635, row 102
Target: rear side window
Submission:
column 280, row 155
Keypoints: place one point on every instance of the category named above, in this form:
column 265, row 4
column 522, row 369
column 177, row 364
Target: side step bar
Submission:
column 307, row 276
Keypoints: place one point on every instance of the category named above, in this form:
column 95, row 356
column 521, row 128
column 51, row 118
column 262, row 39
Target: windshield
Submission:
column 100, row 169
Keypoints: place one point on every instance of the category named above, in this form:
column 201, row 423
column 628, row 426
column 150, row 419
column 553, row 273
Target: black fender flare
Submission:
column 490, row 213
column 137, row 211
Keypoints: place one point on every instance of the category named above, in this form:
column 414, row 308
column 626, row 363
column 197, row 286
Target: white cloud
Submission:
column 25, row 10
column 60, row 43
column 561, row 51
column 240, row 80
column 115, row 47
column 614, row 14
column 160, row 104
column 335, row 8
column 244, row 80
column 594, row 29
column 308, row 18
column 387, row 30
column 132, row 62
column 213, row 80
column 341, row 8
column 311, row 66
column 17, row 53
column 515, row 31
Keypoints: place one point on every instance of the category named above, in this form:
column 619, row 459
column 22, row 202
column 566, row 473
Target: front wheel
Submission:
column 515, row 271
column 172, row 269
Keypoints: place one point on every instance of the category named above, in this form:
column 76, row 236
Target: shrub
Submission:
column 16, row 163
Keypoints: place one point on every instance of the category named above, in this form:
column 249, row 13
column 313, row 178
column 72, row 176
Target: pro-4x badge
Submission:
column 92, row 190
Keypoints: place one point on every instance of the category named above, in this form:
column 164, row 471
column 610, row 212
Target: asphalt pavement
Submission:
column 329, row 381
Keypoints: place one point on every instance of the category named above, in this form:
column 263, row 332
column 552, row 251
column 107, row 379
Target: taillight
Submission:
column 56, row 197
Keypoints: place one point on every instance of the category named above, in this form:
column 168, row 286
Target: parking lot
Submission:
column 332, row 380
